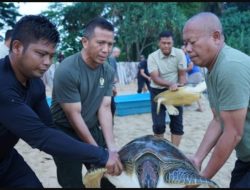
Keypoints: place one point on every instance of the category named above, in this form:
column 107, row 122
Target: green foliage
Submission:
column 214, row 7
column 139, row 24
column 75, row 17
column 72, row 19
column 8, row 14
column 241, row 6
column 190, row 8
column 237, row 28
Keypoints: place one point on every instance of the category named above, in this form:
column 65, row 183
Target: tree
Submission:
column 71, row 21
column 236, row 26
column 139, row 24
column 190, row 8
column 8, row 14
column 214, row 7
column 241, row 6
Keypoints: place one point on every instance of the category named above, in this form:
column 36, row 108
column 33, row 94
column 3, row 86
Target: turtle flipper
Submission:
column 172, row 110
column 92, row 179
column 159, row 102
column 187, row 177
column 200, row 87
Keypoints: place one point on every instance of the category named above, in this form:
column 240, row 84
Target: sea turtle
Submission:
column 185, row 95
column 150, row 162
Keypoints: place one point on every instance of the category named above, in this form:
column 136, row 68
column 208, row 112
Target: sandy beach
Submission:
column 132, row 126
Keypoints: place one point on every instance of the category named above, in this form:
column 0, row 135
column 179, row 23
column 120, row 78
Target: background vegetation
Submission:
column 138, row 24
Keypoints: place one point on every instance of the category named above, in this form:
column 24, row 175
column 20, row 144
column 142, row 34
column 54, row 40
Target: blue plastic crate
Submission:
column 132, row 104
column 48, row 100
column 129, row 104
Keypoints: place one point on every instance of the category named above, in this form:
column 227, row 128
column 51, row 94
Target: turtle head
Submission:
column 148, row 171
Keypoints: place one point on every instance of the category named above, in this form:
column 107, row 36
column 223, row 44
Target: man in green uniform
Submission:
column 228, row 85
column 81, row 97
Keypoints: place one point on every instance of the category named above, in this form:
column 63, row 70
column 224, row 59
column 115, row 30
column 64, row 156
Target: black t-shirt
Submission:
column 143, row 65
column 25, row 114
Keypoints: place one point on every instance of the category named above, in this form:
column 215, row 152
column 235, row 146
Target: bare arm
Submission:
column 73, row 113
column 105, row 119
column 231, row 136
column 182, row 76
column 190, row 66
column 209, row 140
column 155, row 76
column 144, row 74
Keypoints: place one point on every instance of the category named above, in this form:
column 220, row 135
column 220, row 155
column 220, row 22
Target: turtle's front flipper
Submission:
column 92, row 179
column 172, row 110
column 200, row 87
column 159, row 102
column 188, row 177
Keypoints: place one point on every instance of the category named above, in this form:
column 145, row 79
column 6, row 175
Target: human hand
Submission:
column 173, row 87
column 197, row 166
column 113, row 148
column 180, row 84
column 114, row 165
column 194, row 161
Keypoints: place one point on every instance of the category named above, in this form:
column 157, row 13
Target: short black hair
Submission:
column 165, row 34
column 32, row 28
column 97, row 22
column 8, row 34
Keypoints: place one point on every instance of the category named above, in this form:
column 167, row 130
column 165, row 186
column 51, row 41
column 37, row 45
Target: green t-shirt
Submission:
column 228, row 86
column 75, row 81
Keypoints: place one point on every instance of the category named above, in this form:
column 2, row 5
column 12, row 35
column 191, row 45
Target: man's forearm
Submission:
column 209, row 140
column 182, row 77
column 105, row 119
column 80, row 127
column 221, row 153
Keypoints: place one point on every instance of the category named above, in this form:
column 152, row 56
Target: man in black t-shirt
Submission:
column 24, row 111
column 113, row 62
column 143, row 76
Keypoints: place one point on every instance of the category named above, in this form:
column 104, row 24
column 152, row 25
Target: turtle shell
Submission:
column 164, row 154
column 163, row 160
column 151, row 162
column 162, row 149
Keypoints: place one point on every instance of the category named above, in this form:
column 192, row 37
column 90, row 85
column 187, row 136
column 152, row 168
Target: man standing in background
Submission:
column 113, row 62
column 167, row 70
column 143, row 76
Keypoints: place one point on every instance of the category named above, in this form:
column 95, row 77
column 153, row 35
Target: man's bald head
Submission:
column 116, row 52
column 206, row 21
column 203, row 38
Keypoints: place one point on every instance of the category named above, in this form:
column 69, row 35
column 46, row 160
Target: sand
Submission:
column 129, row 127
